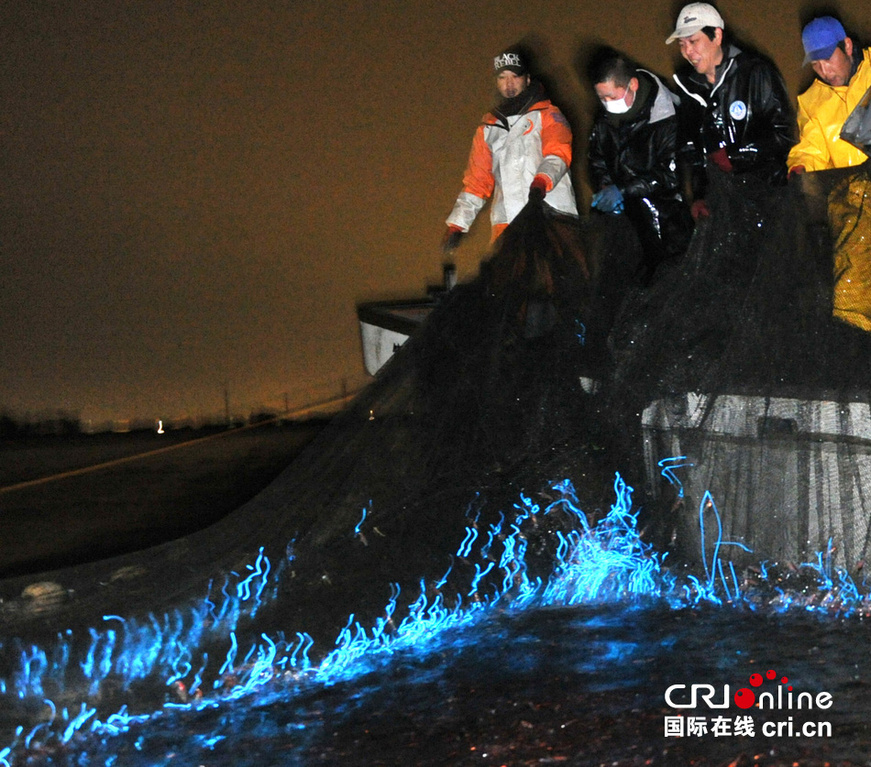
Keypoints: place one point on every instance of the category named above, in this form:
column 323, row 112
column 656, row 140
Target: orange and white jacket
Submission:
column 507, row 153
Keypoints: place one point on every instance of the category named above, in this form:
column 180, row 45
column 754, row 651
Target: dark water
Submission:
column 593, row 664
column 581, row 685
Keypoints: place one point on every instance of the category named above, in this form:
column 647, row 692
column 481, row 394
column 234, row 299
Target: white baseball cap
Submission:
column 694, row 17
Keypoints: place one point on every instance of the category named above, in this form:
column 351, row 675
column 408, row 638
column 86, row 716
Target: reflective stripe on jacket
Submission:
column 507, row 153
column 746, row 111
column 638, row 154
column 822, row 111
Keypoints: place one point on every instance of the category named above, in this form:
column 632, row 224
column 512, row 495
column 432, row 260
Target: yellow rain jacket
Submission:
column 851, row 228
column 822, row 111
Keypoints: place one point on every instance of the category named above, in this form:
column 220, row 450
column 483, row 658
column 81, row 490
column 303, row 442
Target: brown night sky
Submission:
column 197, row 194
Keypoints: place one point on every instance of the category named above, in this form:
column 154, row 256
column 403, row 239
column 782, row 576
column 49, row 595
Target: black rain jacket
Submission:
column 746, row 110
column 636, row 152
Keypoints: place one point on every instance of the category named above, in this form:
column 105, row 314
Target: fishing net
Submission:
column 751, row 381
column 484, row 403
column 724, row 391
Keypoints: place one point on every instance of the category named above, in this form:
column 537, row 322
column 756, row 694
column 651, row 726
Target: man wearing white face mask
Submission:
column 632, row 156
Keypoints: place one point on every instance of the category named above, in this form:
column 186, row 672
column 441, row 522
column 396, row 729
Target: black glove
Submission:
column 451, row 240
column 538, row 188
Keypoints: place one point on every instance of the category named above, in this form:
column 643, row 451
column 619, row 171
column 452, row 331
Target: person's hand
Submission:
column 608, row 200
column 796, row 170
column 699, row 209
column 451, row 239
column 538, row 187
column 721, row 159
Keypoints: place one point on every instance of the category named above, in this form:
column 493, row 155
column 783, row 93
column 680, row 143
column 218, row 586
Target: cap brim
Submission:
column 820, row 55
column 823, row 54
column 683, row 32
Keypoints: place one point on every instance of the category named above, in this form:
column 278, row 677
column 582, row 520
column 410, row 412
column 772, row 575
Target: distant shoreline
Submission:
column 67, row 500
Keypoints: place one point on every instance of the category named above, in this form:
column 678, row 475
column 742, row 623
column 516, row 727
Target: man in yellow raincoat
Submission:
column 843, row 73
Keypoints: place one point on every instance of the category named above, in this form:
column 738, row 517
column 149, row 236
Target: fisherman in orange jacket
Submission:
column 522, row 148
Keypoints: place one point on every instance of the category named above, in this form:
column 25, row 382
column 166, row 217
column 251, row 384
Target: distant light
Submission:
column 160, row 427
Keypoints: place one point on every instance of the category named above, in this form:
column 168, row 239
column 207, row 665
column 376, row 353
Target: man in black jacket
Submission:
column 735, row 111
column 632, row 156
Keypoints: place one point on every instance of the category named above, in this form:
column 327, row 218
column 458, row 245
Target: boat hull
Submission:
column 385, row 326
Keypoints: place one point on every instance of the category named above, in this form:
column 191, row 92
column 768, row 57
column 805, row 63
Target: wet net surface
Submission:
column 551, row 365
column 745, row 370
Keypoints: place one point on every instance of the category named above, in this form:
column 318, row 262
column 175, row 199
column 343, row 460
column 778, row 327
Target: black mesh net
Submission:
column 744, row 371
column 484, row 402
column 727, row 375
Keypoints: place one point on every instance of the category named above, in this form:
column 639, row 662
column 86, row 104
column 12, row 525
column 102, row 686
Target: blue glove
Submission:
column 609, row 200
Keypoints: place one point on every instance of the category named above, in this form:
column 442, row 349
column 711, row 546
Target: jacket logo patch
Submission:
column 530, row 128
column 737, row 110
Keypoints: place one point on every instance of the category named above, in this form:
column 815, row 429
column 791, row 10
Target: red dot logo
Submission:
column 744, row 698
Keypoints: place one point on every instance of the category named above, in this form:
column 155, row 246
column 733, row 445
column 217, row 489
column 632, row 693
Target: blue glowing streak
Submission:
column 472, row 505
column 181, row 668
column 444, row 579
column 303, row 646
column 528, row 508
column 605, row 562
column 667, row 468
column 479, row 573
column 715, row 565
column 29, row 679
column 259, row 569
column 41, row 725
column 568, row 501
column 77, row 723
column 363, row 519
column 198, row 678
column 494, row 530
column 466, row 545
column 724, row 581
column 231, row 656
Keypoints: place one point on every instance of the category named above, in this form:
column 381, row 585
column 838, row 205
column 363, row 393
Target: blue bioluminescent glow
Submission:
column 358, row 532
column 466, row 545
column 668, row 466
column 588, row 564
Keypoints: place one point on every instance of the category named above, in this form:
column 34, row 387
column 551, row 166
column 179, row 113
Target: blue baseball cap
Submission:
column 820, row 37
